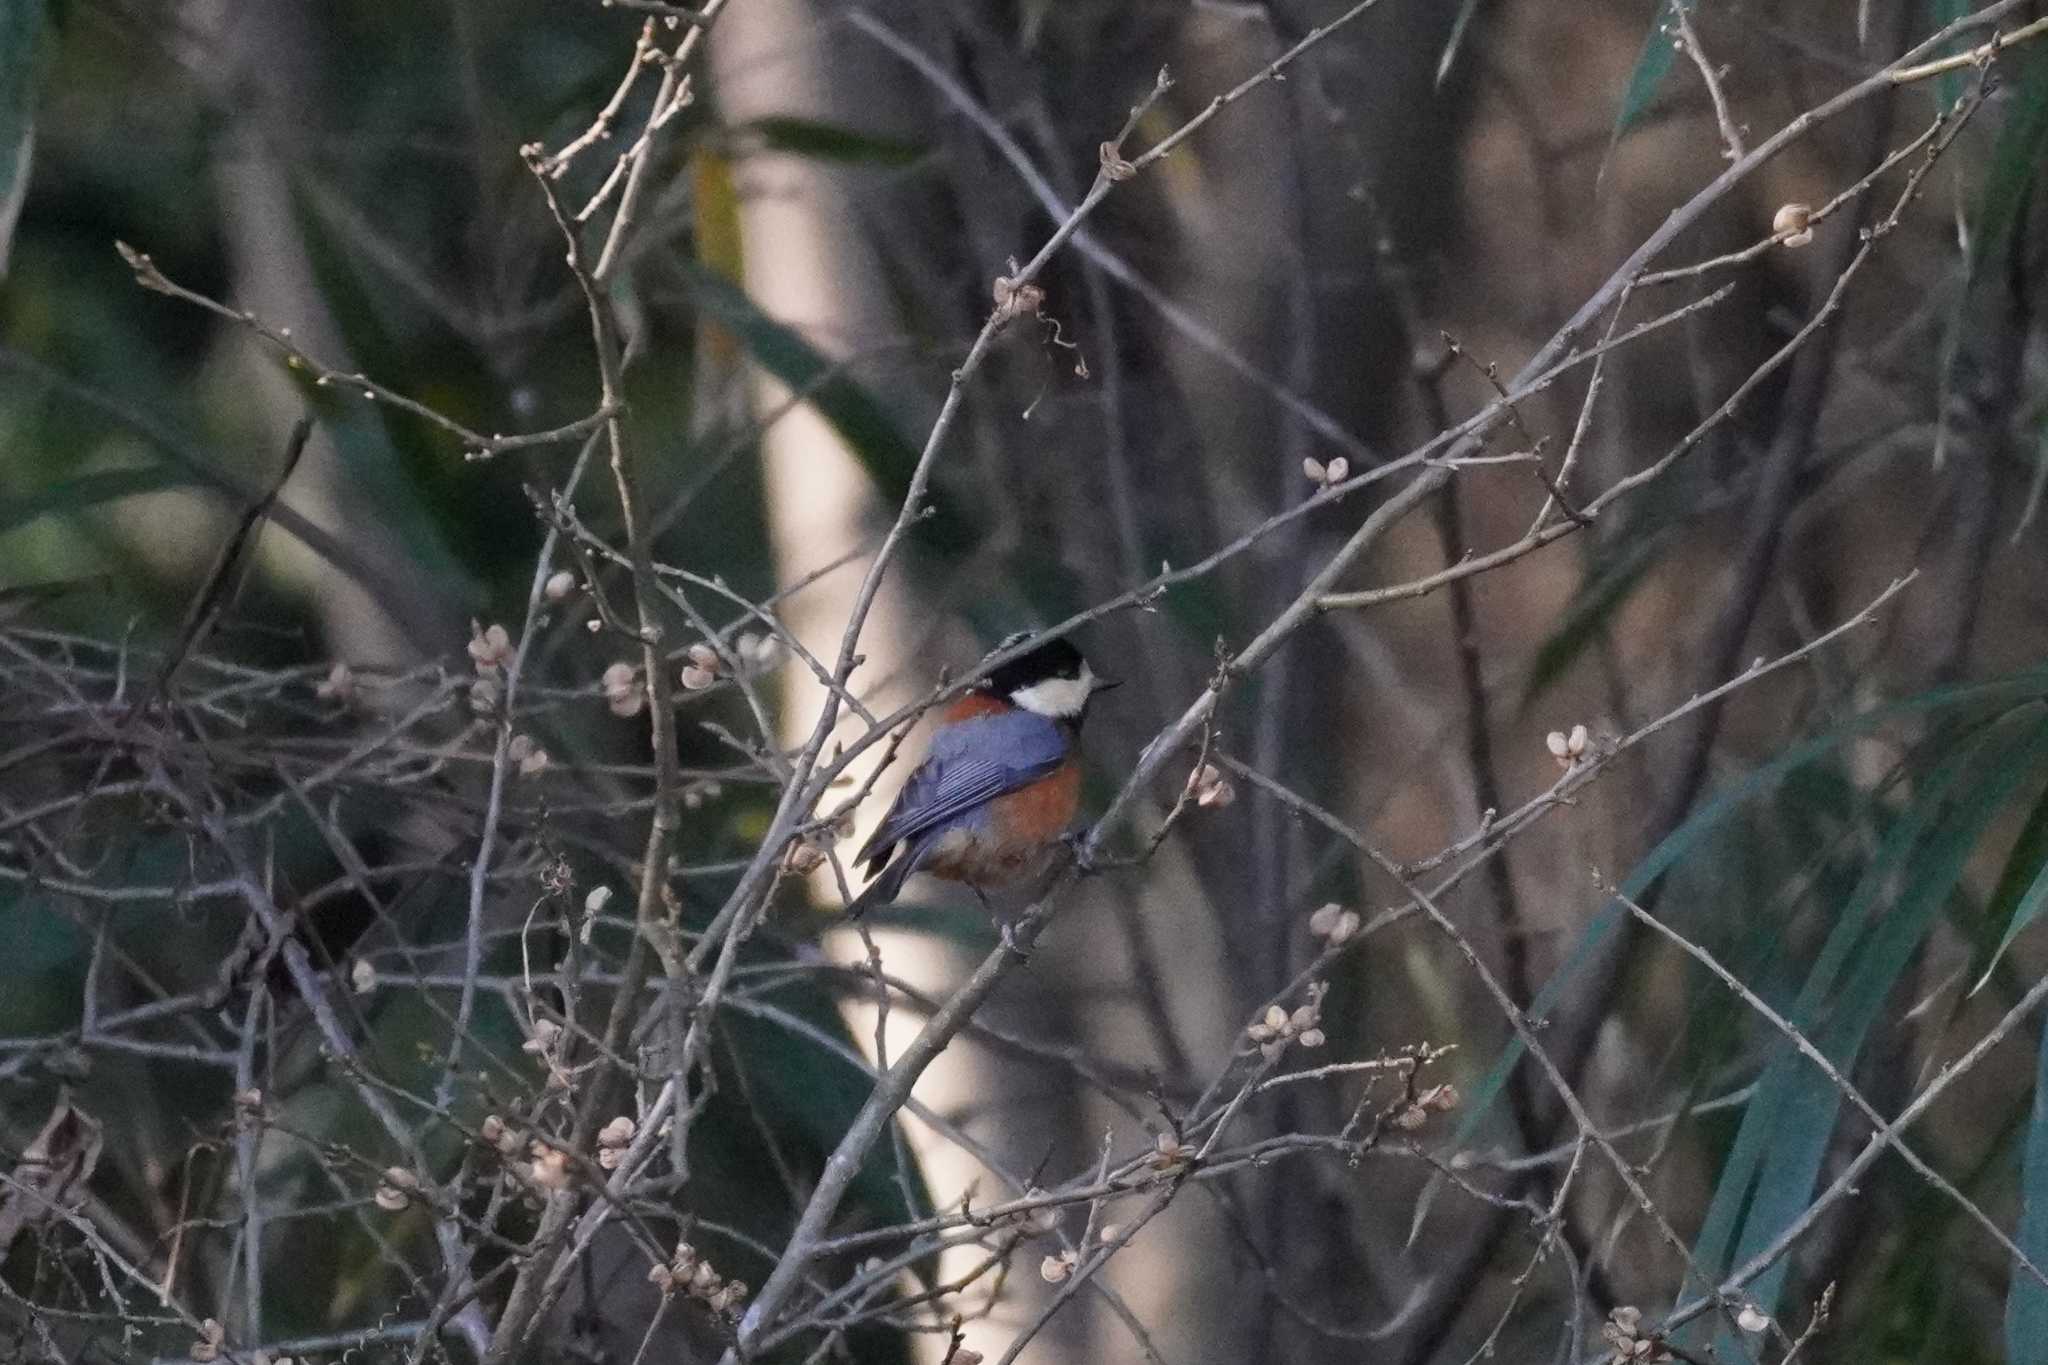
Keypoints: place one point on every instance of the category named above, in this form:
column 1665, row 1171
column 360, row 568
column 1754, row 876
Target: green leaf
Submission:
column 35, row 939
column 1929, row 1310
column 2021, row 894
column 1766, row 1115
column 965, row 930
column 1595, row 603
column 21, row 43
column 849, row 408
column 1794, row 1111
column 804, row 1082
column 1660, row 50
column 1683, row 840
column 1813, row 834
column 2015, row 160
column 90, row 490
column 1948, row 86
column 2026, row 1301
column 17, row 600
column 828, row 141
column 200, row 471
column 431, row 506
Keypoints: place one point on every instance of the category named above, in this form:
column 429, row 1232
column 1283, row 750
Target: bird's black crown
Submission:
column 1052, row 680
column 1053, row 659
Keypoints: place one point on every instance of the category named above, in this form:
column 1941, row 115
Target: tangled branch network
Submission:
column 517, row 1166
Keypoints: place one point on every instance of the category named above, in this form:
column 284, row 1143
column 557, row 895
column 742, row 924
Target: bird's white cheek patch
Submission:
column 1056, row 697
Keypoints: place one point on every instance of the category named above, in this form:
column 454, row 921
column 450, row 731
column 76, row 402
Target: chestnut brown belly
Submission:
column 985, row 864
column 1019, row 839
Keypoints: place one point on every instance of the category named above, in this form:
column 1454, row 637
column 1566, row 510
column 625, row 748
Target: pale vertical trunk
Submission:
column 808, row 264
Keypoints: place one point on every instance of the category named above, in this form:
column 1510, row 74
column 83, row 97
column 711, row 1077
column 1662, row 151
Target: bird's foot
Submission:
column 1076, row 842
column 1021, row 951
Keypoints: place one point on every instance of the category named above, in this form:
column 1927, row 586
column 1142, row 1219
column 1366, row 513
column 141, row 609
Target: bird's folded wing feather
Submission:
column 972, row 762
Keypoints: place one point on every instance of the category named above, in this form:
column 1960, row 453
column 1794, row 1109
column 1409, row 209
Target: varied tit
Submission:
column 991, row 803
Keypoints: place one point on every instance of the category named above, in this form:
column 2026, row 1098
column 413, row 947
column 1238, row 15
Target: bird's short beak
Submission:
column 1105, row 684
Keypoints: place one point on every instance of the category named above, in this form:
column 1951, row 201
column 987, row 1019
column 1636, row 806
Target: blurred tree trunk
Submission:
column 263, row 59
column 816, row 248
column 1275, row 239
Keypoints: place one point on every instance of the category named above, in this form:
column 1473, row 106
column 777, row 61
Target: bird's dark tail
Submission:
column 883, row 889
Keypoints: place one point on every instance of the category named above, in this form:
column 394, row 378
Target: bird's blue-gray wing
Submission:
column 970, row 763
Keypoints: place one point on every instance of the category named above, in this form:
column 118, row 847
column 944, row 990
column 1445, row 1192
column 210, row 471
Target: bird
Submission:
column 992, row 801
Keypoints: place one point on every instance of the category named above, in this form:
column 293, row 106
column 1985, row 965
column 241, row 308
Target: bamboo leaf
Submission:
column 90, row 490
column 828, row 141
column 21, row 44
column 784, row 353
column 805, row 1083
column 839, row 398
column 1660, row 50
column 1594, row 605
column 2021, row 894
column 197, row 469
column 1948, row 86
column 2015, row 161
column 1795, row 1108
column 2026, row 1301
column 1683, row 840
column 1764, row 1120
column 715, row 205
column 1455, row 41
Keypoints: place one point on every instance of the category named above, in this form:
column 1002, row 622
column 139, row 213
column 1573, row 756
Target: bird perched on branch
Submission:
column 990, row 803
